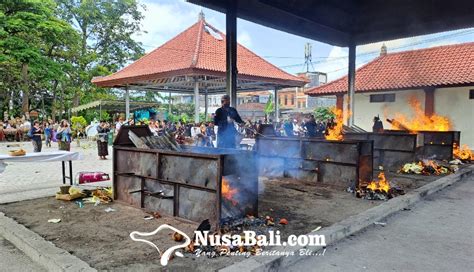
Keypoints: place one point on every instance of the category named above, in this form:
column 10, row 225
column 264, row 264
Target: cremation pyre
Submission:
column 340, row 163
column 194, row 184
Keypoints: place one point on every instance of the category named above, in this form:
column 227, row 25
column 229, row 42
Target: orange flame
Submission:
column 420, row 121
column 228, row 192
column 335, row 133
column 382, row 184
column 463, row 153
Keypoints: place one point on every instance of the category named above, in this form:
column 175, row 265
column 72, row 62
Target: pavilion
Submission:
column 195, row 62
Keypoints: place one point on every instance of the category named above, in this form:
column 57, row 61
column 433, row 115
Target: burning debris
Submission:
column 379, row 190
column 420, row 121
column 229, row 192
column 425, row 167
column 463, row 153
column 334, row 133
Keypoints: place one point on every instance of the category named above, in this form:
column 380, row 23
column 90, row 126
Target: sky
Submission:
column 165, row 19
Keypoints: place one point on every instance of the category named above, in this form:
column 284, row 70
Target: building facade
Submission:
column 441, row 79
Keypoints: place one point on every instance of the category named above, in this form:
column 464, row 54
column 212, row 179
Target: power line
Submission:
column 434, row 39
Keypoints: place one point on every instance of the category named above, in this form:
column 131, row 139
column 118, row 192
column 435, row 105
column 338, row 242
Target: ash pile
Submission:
column 234, row 226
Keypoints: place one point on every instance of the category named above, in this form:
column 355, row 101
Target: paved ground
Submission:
column 12, row 259
column 436, row 235
column 40, row 178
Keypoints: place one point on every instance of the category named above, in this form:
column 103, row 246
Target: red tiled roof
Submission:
column 437, row 66
column 197, row 51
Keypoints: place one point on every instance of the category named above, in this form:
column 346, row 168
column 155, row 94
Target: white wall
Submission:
column 455, row 103
column 365, row 111
column 451, row 102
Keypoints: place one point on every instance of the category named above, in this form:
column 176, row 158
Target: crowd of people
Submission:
column 59, row 132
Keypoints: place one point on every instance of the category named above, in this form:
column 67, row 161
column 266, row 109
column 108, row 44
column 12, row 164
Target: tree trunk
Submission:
column 54, row 104
column 25, row 105
column 61, row 108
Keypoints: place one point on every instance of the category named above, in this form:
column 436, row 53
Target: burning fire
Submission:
column 463, row 153
column 381, row 185
column 420, row 121
column 228, row 192
column 335, row 133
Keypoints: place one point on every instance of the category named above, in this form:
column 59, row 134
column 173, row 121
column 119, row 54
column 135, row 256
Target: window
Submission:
column 380, row 98
column 292, row 100
column 286, row 100
column 471, row 94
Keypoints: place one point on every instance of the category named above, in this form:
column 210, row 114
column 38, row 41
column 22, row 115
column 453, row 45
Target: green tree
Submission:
column 106, row 44
column 34, row 53
column 323, row 113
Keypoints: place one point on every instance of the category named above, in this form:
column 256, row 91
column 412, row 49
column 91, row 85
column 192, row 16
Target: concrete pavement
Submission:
column 12, row 259
column 435, row 235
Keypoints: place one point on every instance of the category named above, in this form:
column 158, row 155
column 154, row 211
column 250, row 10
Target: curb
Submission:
column 38, row 249
column 349, row 226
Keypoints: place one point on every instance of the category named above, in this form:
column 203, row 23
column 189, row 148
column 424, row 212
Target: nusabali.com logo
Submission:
column 247, row 238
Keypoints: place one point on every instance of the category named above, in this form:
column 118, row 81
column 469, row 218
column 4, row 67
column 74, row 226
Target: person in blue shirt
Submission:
column 225, row 119
column 47, row 134
column 35, row 135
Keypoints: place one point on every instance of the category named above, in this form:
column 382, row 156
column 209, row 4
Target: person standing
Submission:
column 103, row 130
column 35, row 135
column 288, row 127
column 63, row 135
column 310, row 126
column 47, row 134
column 225, row 119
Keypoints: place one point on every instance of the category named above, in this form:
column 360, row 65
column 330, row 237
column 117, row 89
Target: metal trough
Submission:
column 435, row 144
column 391, row 150
column 189, row 184
column 340, row 163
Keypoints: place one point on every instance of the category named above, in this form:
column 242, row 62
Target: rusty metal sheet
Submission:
column 139, row 163
column 339, row 175
column 281, row 147
column 440, row 152
column 197, row 205
column 271, row 166
column 439, row 137
column 401, row 142
column 189, row 170
column 393, row 160
column 153, row 203
column 124, row 186
column 332, row 151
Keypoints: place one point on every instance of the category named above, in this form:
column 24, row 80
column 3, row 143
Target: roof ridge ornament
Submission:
column 383, row 50
column 201, row 16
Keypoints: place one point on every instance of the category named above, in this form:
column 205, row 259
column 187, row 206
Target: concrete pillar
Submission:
column 340, row 101
column 277, row 106
column 127, row 103
column 196, row 101
column 231, row 52
column 429, row 101
column 351, row 85
column 206, row 103
column 169, row 104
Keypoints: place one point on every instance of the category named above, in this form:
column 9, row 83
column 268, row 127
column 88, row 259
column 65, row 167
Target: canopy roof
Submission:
column 198, row 54
column 115, row 105
column 442, row 66
column 342, row 22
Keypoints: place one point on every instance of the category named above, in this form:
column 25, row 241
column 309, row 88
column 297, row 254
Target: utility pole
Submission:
column 307, row 56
